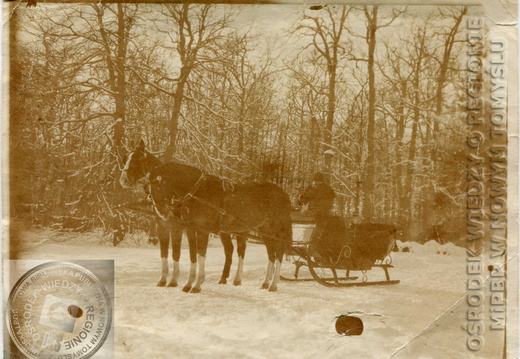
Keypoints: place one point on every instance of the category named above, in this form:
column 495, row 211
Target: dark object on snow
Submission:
column 346, row 325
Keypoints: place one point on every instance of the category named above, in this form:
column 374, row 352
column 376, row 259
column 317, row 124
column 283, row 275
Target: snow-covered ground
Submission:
column 422, row 317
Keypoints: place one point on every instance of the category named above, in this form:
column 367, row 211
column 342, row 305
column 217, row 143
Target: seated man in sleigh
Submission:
column 329, row 235
column 364, row 242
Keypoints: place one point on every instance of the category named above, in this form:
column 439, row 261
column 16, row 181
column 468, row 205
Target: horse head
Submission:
column 138, row 165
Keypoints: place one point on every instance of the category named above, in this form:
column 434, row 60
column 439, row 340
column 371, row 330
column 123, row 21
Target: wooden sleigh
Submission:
column 332, row 251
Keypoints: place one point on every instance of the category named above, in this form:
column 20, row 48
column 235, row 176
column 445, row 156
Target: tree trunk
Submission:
column 188, row 57
column 428, row 221
column 331, row 107
column 176, row 112
column 443, row 71
column 370, row 164
column 240, row 147
column 399, row 155
column 408, row 188
column 120, row 113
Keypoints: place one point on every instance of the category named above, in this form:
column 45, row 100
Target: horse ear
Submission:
column 140, row 147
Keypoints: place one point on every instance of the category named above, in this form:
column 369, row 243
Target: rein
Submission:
column 191, row 192
column 136, row 206
column 176, row 203
column 261, row 236
column 220, row 210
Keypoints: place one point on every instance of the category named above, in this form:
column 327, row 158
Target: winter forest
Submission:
column 371, row 96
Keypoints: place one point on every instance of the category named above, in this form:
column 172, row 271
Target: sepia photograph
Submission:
column 273, row 179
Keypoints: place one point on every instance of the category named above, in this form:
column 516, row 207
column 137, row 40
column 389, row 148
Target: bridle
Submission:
column 144, row 179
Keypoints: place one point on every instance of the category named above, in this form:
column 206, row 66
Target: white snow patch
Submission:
column 224, row 321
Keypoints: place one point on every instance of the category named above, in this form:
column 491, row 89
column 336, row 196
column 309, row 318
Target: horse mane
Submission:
column 177, row 172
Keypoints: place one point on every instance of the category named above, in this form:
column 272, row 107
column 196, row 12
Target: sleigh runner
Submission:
column 332, row 251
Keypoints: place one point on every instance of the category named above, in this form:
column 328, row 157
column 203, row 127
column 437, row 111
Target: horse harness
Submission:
column 175, row 205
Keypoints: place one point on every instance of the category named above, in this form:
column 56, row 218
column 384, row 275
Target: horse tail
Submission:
column 283, row 222
column 286, row 230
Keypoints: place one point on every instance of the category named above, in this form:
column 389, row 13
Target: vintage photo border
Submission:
column 502, row 23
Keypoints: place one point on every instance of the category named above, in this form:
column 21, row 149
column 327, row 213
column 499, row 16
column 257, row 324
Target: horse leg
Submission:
column 284, row 237
column 202, row 246
column 270, row 265
column 228, row 251
column 164, row 241
column 192, row 241
column 277, row 267
column 241, row 251
column 176, row 238
column 153, row 233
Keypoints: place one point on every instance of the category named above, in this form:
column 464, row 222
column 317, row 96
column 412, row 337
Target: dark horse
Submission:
column 204, row 205
column 165, row 232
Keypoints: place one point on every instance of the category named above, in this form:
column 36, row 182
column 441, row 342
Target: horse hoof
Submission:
column 172, row 284
column 161, row 283
column 186, row 288
column 222, row 281
column 237, row 282
column 272, row 288
column 265, row 286
column 195, row 290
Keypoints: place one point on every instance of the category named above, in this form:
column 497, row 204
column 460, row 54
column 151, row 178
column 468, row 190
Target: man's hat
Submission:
column 318, row 177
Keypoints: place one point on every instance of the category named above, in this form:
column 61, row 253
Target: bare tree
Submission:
column 372, row 27
column 81, row 55
column 447, row 59
column 93, row 79
column 411, row 92
column 325, row 33
column 397, row 72
column 103, row 34
column 194, row 32
column 307, row 101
